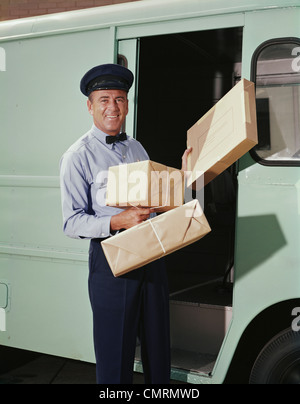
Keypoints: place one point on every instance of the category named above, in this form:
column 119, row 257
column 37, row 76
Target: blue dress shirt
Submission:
column 83, row 180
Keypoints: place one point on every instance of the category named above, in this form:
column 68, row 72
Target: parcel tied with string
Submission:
column 155, row 238
column 145, row 184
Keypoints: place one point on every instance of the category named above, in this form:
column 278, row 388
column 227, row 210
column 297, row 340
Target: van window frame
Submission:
column 256, row 54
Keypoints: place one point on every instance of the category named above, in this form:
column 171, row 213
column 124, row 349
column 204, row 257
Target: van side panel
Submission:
column 42, row 113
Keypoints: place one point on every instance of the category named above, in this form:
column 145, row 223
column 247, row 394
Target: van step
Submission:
column 186, row 366
column 199, row 318
column 193, row 361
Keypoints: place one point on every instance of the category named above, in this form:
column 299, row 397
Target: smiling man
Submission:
column 136, row 304
column 109, row 109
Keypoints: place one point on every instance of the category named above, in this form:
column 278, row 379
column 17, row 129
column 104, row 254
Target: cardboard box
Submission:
column 145, row 184
column 223, row 134
column 155, row 238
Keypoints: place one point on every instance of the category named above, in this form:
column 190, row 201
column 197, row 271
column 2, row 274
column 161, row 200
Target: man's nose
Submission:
column 113, row 104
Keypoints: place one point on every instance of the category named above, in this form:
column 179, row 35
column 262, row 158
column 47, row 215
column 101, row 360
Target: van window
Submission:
column 276, row 72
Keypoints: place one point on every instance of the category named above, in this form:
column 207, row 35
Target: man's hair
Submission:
column 90, row 97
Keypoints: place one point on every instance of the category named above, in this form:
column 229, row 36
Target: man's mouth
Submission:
column 112, row 116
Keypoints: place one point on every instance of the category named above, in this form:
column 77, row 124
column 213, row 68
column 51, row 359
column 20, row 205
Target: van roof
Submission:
column 132, row 13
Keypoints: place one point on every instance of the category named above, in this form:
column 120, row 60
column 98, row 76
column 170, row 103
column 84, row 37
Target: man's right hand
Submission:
column 129, row 218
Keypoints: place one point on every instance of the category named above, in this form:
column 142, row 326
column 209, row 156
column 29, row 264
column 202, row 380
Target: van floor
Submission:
column 210, row 292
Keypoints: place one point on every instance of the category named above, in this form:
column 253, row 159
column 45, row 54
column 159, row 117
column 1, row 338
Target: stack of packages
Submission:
column 218, row 139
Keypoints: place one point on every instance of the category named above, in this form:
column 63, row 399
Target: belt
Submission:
column 98, row 240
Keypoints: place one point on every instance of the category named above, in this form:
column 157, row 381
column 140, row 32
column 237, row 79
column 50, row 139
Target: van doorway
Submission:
column 181, row 76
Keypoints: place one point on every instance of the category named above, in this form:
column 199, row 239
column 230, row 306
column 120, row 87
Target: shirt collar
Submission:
column 101, row 136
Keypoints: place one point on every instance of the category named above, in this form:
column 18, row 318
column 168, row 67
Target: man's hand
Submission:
column 129, row 217
column 184, row 159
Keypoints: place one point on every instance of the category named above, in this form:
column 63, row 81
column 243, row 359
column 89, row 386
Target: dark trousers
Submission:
column 124, row 308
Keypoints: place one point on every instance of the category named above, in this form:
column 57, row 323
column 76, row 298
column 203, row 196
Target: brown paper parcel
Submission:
column 145, row 184
column 223, row 135
column 155, row 238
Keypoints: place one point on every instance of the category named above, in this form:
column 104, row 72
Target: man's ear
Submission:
column 90, row 107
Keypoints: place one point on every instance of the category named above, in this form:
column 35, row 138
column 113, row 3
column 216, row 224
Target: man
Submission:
column 136, row 304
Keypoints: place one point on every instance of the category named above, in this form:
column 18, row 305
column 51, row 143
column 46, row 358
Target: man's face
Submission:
column 109, row 109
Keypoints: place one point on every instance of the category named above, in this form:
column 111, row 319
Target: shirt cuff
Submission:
column 105, row 227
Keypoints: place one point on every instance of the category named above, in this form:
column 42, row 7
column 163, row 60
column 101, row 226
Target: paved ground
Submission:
column 21, row 367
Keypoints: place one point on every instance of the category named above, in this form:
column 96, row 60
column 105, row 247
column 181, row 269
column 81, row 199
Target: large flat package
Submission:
column 223, row 134
column 155, row 238
column 145, row 184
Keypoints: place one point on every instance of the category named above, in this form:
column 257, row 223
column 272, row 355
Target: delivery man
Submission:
column 135, row 304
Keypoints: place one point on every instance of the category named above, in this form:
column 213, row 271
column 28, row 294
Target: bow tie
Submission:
column 117, row 138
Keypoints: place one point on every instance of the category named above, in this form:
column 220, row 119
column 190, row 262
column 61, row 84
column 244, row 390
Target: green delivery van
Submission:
column 235, row 294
